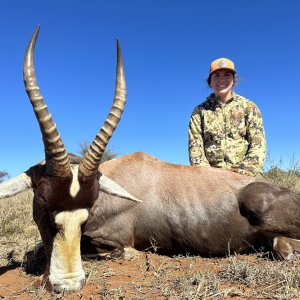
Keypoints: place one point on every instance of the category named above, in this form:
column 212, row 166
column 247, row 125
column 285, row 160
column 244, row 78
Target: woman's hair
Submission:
column 234, row 79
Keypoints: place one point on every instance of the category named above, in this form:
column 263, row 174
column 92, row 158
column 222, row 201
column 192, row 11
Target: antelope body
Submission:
column 84, row 207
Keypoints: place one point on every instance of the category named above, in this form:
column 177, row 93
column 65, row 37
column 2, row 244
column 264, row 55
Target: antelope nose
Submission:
column 68, row 285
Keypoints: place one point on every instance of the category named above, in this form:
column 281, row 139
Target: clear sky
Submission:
column 167, row 48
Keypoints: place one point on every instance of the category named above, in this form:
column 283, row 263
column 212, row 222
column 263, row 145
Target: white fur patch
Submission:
column 75, row 187
column 69, row 219
column 66, row 272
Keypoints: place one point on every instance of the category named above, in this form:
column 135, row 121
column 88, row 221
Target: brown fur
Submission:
column 189, row 209
column 272, row 209
column 52, row 195
column 185, row 209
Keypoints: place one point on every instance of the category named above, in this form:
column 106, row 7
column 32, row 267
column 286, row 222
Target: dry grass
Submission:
column 287, row 178
column 150, row 276
column 18, row 232
column 267, row 279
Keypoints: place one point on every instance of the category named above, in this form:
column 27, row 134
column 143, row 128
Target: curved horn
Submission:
column 92, row 158
column 57, row 160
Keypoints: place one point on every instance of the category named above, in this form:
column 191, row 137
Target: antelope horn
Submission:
column 57, row 160
column 92, row 158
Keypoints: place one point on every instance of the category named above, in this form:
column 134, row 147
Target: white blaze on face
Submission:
column 66, row 272
column 75, row 187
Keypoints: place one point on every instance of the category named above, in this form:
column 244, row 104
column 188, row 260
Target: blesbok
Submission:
column 83, row 207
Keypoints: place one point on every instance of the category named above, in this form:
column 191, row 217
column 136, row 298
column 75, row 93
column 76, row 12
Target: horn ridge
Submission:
column 57, row 160
column 92, row 158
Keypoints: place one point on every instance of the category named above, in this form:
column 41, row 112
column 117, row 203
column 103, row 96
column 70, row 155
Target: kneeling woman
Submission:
column 226, row 130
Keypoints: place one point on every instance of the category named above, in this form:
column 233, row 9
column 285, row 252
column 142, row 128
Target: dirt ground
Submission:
column 145, row 276
column 148, row 276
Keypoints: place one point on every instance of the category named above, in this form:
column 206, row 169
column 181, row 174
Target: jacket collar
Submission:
column 216, row 99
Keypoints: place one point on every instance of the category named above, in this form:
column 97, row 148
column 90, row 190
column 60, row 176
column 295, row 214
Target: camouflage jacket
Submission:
column 229, row 136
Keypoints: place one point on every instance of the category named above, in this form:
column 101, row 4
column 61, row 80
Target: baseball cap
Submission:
column 221, row 63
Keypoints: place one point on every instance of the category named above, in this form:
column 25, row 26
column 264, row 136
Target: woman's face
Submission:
column 222, row 81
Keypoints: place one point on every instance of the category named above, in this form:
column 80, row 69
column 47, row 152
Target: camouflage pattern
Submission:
column 229, row 136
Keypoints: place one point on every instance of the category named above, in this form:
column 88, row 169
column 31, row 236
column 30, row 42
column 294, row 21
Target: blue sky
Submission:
column 167, row 48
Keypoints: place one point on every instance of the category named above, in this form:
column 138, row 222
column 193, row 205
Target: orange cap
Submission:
column 222, row 63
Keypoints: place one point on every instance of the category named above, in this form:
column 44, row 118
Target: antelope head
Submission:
column 64, row 194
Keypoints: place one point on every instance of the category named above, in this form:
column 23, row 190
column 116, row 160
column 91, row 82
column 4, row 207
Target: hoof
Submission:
column 282, row 248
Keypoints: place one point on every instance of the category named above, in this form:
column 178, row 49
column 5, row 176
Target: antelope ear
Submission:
column 15, row 185
column 110, row 187
column 22, row 182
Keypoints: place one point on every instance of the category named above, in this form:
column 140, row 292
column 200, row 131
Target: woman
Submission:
column 226, row 130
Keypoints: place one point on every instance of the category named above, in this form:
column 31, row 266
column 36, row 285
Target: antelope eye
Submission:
column 42, row 199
